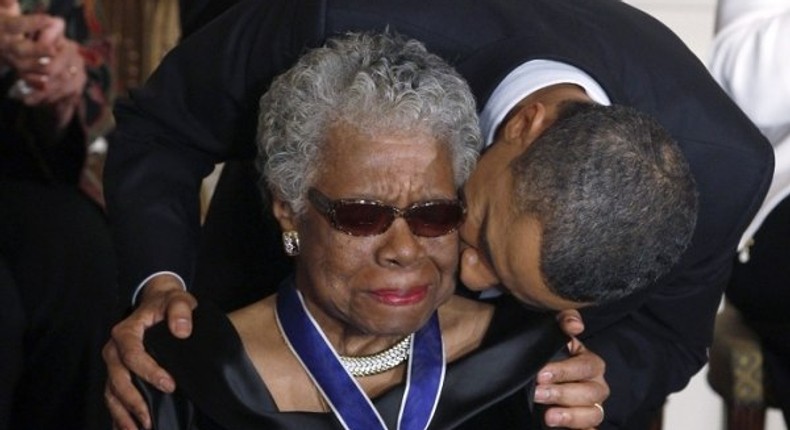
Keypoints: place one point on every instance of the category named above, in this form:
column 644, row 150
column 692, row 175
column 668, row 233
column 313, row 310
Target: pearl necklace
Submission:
column 381, row 362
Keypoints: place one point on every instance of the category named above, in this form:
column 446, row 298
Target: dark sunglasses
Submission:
column 360, row 217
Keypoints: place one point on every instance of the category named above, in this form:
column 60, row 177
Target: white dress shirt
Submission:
column 525, row 80
column 751, row 60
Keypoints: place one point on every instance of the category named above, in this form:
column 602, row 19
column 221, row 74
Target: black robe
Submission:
column 219, row 388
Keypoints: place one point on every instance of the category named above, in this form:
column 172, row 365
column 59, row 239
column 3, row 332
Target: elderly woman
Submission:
column 363, row 146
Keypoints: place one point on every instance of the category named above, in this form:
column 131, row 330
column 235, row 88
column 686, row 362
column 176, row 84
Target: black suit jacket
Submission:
column 194, row 14
column 200, row 108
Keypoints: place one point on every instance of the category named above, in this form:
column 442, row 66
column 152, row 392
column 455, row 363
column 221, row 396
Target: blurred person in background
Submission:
column 57, row 266
column 750, row 61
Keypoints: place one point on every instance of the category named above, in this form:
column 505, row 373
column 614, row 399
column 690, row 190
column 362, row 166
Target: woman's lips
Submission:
column 399, row 297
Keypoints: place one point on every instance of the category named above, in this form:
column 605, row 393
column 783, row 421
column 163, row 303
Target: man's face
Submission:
column 503, row 248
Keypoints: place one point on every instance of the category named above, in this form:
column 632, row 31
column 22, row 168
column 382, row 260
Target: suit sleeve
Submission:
column 197, row 109
column 646, row 360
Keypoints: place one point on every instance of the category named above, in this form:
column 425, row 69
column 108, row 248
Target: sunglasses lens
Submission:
column 363, row 219
column 369, row 218
column 436, row 219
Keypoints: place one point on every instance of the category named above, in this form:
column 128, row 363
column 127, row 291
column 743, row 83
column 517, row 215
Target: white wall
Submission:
column 697, row 407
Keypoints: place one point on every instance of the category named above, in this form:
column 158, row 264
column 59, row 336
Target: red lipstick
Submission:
column 396, row 297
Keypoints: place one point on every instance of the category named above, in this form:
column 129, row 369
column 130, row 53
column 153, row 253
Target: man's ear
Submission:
column 525, row 123
column 476, row 274
column 284, row 214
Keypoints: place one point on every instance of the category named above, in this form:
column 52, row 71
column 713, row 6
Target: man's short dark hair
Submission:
column 615, row 198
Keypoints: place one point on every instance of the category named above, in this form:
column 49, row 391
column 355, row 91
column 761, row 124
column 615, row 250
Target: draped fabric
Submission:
column 220, row 389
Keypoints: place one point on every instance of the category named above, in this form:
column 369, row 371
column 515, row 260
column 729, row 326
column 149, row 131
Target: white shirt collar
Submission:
column 525, row 80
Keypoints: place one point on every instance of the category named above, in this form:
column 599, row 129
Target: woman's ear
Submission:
column 284, row 214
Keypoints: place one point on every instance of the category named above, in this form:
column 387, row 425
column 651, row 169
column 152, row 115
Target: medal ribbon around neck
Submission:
column 425, row 374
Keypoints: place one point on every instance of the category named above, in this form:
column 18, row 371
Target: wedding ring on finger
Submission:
column 600, row 408
column 43, row 61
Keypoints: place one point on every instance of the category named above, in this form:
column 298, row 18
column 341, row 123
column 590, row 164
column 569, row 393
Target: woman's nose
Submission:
column 400, row 247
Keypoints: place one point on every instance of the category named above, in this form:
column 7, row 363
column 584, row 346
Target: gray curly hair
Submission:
column 375, row 82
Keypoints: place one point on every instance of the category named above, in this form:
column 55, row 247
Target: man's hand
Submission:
column 574, row 386
column 163, row 296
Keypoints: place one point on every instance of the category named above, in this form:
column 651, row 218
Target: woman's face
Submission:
column 390, row 283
